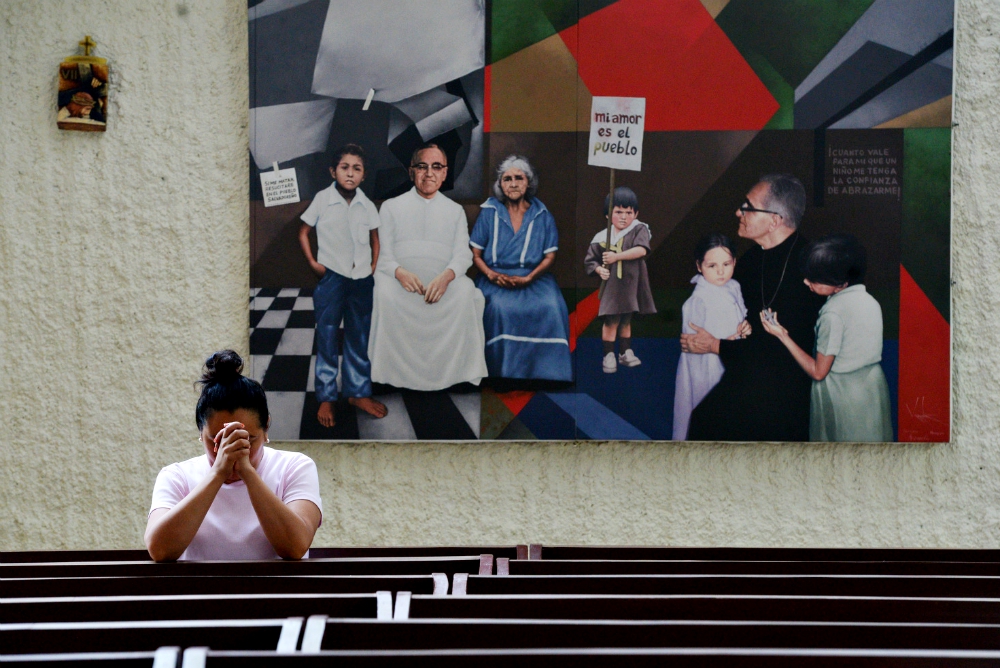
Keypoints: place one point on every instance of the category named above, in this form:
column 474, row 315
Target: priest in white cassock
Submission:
column 427, row 320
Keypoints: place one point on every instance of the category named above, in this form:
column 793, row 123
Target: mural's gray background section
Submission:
column 124, row 259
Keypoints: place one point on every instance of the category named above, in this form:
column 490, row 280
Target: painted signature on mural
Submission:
column 919, row 413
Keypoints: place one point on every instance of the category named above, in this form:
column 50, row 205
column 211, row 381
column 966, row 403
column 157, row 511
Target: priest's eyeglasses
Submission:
column 436, row 167
column 747, row 207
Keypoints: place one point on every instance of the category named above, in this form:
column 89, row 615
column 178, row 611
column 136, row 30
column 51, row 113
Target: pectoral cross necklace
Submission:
column 775, row 295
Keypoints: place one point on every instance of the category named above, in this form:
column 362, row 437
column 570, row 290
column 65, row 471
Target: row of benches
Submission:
column 743, row 608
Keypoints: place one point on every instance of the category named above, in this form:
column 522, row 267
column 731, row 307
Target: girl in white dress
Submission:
column 717, row 306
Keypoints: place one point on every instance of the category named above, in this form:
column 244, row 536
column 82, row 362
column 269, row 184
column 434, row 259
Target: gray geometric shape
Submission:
column 470, row 406
column 283, row 132
column 286, row 415
column 296, row 342
column 274, row 320
column 395, row 426
column 269, row 7
column 901, row 25
column 864, row 69
column 282, row 53
column 406, row 50
column 928, row 84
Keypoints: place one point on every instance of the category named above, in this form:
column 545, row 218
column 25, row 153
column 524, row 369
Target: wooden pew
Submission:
column 506, row 551
column 481, row 564
column 602, row 658
column 163, row 657
column 436, row 583
column 42, row 556
column 247, row 606
column 909, row 586
column 702, row 567
column 279, row 635
column 322, row 633
column 786, row 608
column 536, row 551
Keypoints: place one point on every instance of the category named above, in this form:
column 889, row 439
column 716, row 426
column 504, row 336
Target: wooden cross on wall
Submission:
column 87, row 45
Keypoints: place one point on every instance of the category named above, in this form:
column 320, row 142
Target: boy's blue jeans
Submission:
column 334, row 298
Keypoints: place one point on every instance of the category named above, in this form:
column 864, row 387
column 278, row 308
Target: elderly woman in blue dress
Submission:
column 514, row 242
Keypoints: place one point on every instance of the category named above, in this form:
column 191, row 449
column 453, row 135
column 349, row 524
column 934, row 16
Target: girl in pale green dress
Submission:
column 850, row 396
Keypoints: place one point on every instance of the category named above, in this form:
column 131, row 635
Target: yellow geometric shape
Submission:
column 538, row 89
column 715, row 7
column 937, row 114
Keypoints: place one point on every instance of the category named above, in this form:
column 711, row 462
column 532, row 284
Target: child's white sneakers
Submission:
column 627, row 358
column 609, row 364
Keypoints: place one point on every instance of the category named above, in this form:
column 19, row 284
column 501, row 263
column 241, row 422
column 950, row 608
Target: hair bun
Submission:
column 223, row 367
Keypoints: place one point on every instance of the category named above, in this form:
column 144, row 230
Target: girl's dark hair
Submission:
column 625, row 198
column 835, row 259
column 710, row 241
column 225, row 388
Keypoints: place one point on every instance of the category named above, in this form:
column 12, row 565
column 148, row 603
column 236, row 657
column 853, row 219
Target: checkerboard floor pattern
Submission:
column 283, row 360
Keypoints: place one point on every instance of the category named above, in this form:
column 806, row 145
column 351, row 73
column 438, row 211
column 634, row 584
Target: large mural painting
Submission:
column 437, row 262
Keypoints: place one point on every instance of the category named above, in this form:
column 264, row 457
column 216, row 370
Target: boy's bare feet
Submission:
column 325, row 414
column 369, row 405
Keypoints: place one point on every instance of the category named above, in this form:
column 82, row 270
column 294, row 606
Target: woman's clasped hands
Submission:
column 232, row 451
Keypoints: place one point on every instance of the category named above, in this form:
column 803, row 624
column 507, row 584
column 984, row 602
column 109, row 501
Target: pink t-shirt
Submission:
column 231, row 529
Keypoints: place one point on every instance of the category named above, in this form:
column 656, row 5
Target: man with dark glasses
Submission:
column 763, row 395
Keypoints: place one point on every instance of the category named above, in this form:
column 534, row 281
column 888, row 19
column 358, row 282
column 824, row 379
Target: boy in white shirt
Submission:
column 346, row 223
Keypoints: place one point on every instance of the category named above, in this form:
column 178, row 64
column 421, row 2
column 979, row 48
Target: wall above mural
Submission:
column 777, row 270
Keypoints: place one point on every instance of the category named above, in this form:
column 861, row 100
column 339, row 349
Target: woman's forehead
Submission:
column 217, row 419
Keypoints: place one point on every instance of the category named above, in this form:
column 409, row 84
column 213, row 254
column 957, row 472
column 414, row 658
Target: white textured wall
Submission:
column 123, row 261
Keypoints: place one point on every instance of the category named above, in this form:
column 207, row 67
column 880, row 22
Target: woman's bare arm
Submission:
column 817, row 368
column 289, row 528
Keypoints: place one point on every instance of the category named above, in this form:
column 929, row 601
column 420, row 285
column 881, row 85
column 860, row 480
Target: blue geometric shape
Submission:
column 546, row 420
column 644, row 395
column 595, row 420
column 890, row 367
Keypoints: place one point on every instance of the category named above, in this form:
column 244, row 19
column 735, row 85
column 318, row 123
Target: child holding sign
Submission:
column 623, row 270
column 716, row 305
column 346, row 223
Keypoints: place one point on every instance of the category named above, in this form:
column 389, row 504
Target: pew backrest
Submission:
column 933, row 586
column 745, row 608
column 162, row 657
column 774, row 567
column 680, row 657
column 479, row 564
column 247, row 606
column 280, row 635
column 538, row 551
column 322, row 633
column 435, row 583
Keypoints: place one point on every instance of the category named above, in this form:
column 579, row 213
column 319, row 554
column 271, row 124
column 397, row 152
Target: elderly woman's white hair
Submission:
column 516, row 162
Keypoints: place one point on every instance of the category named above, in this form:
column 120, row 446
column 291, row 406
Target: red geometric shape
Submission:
column 586, row 311
column 487, row 90
column 924, row 367
column 672, row 53
column 516, row 400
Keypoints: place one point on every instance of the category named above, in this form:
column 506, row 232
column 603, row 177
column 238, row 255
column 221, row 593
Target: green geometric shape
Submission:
column 517, row 24
column 562, row 14
column 784, row 118
column 567, row 13
column 793, row 35
column 494, row 416
column 925, row 237
column 516, row 431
